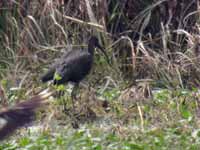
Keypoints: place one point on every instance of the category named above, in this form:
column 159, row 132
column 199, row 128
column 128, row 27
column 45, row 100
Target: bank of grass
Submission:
column 170, row 120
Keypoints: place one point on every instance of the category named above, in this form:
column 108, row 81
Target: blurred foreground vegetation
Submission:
column 151, row 92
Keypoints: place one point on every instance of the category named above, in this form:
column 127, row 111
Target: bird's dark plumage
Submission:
column 22, row 113
column 74, row 65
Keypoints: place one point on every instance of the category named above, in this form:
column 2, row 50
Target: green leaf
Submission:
column 186, row 114
column 57, row 76
column 60, row 87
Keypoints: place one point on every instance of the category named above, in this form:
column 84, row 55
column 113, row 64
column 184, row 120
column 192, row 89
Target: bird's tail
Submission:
column 20, row 114
column 48, row 76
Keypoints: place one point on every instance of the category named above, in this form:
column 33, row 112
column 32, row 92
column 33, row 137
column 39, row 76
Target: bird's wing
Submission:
column 77, row 62
column 49, row 75
column 20, row 114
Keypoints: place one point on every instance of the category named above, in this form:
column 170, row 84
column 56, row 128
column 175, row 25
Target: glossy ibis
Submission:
column 74, row 65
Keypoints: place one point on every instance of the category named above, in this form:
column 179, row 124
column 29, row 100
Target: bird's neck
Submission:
column 91, row 48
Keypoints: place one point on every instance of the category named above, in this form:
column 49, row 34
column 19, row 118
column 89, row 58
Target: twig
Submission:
column 141, row 117
column 83, row 22
column 3, row 97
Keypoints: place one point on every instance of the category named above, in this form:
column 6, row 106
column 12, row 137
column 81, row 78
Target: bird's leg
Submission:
column 73, row 94
column 90, row 87
column 61, row 95
column 72, row 114
column 65, row 106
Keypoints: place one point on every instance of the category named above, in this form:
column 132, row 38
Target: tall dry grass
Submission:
column 145, row 39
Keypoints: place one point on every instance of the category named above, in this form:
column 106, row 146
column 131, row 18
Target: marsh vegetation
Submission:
column 147, row 99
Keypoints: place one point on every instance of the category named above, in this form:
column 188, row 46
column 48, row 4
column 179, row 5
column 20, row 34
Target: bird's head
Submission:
column 94, row 42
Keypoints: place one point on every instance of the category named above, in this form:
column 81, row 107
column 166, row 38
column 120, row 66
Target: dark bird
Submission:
column 20, row 114
column 74, row 65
